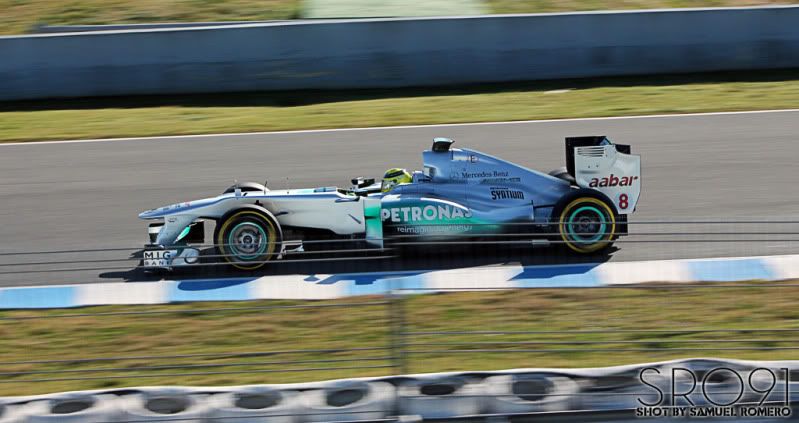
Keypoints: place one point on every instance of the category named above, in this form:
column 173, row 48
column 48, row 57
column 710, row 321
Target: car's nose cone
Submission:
column 149, row 214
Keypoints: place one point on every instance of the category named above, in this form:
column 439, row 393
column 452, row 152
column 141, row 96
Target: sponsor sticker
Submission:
column 612, row 181
column 506, row 194
column 484, row 174
column 491, row 181
column 157, row 258
column 433, row 229
column 427, row 213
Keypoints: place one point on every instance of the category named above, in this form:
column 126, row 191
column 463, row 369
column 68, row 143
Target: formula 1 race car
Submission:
column 460, row 194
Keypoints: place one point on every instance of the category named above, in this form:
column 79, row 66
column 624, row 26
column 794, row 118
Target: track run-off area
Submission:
column 699, row 171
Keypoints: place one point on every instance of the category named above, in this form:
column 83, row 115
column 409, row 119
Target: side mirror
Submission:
column 361, row 182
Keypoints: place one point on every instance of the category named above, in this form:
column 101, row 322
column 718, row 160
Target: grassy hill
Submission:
column 19, row 16
column 285, row 341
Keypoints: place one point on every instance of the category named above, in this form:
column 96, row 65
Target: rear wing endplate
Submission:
column 597, row 163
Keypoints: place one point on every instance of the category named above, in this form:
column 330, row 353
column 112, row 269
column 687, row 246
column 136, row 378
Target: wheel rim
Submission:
column 586, row 225
column 247, row 241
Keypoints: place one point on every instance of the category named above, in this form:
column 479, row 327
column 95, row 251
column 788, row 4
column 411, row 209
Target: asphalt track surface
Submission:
column 86, row 195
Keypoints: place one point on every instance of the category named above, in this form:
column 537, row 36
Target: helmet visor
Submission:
column 388, row 184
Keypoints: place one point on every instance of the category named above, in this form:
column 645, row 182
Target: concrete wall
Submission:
column 396, row 52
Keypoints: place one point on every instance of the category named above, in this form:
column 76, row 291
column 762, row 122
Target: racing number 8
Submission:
column 623, row 202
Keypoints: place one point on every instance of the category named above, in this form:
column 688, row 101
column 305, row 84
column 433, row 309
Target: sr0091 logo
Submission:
column 715, row 392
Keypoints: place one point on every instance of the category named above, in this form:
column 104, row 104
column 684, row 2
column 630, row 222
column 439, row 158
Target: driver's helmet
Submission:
column 394, row 177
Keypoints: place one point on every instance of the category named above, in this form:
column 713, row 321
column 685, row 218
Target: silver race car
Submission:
column 460, row 194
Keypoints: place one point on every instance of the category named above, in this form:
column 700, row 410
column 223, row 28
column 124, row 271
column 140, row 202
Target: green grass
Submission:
column 19, row 16
column 248, row 112
column 27, row 336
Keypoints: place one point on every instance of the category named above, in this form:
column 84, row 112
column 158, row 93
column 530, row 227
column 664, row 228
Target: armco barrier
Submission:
column 329, row 286
column 343, row 54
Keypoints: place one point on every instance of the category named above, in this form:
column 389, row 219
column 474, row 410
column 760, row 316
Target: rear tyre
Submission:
column 248, row 238
column 586, row 222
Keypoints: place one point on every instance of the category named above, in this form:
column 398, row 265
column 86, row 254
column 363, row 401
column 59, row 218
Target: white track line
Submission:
column 379, row 128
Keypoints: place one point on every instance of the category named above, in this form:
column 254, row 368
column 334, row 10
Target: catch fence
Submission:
column 473, row 327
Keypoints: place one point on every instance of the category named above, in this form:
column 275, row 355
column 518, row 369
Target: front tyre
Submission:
column 247, row 239
column 586, row 222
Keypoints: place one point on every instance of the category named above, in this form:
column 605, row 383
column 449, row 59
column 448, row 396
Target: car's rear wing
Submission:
column 597, row 163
